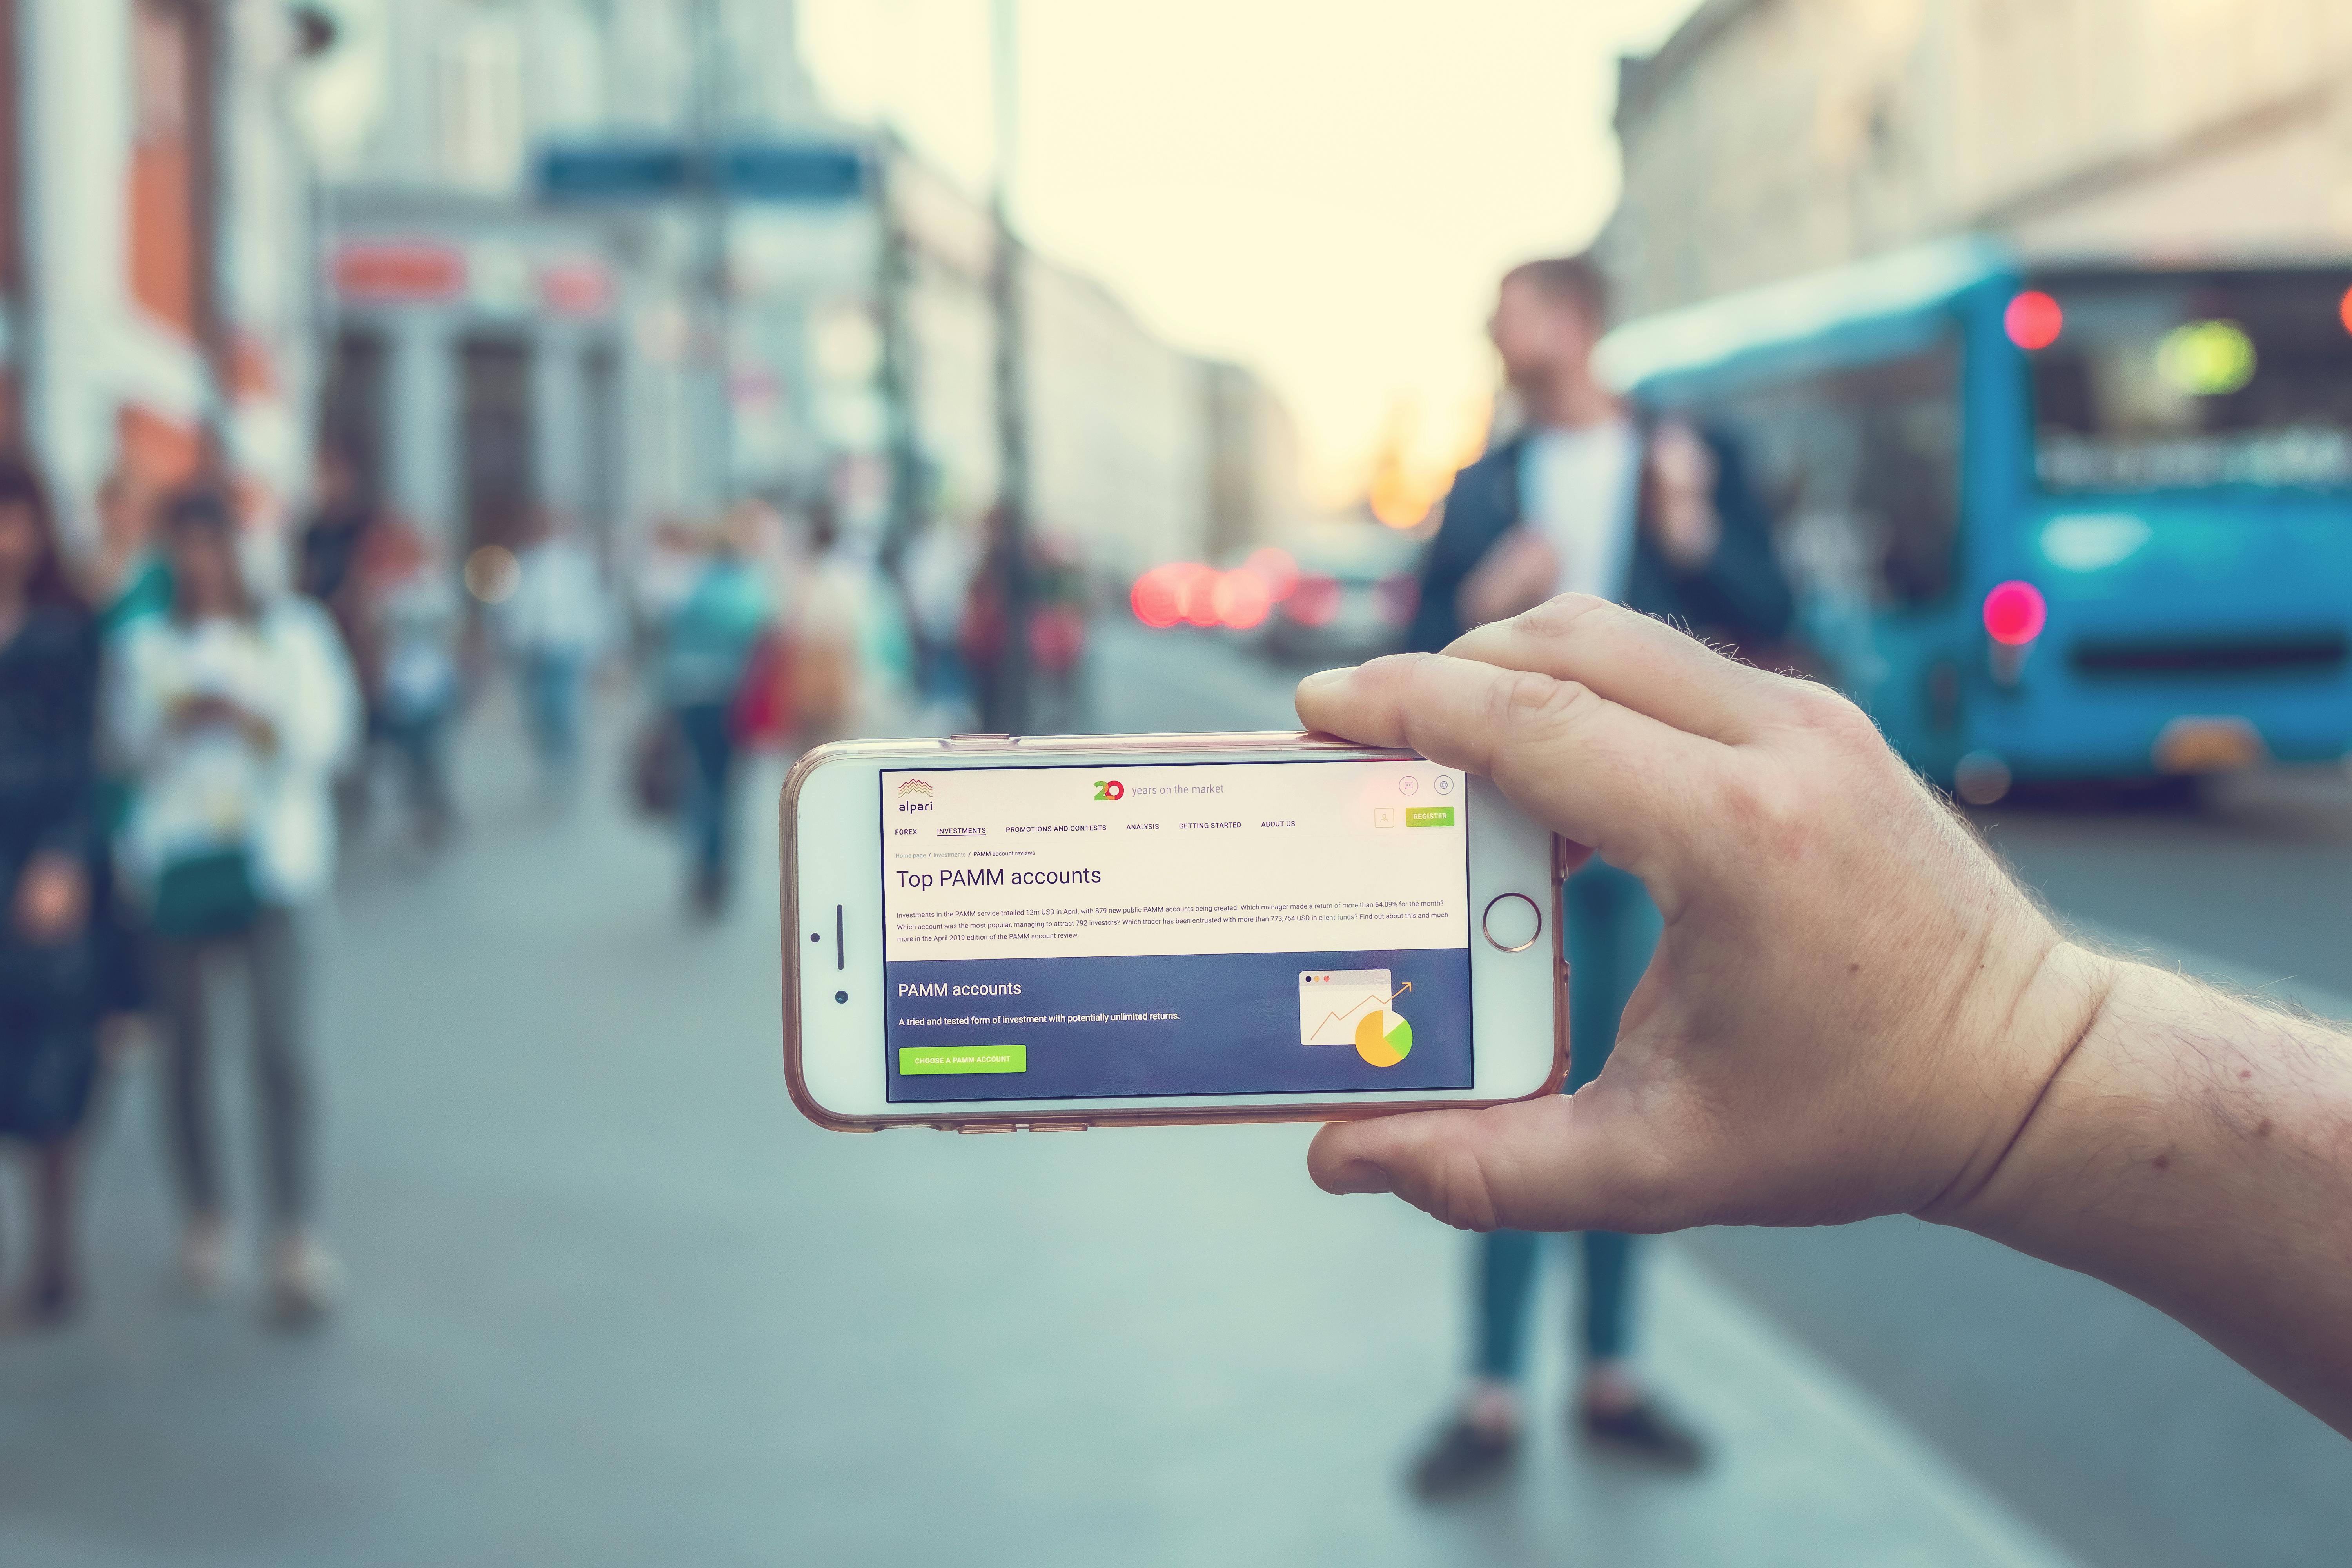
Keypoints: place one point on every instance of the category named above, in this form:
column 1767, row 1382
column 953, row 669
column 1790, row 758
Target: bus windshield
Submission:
column 2186, row 381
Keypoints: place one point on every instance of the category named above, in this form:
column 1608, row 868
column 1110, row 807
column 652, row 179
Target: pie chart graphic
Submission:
column 1384, row 1038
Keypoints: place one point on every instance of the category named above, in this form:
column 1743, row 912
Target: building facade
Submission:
column 1766, row 138
column 155, row 242
column 531, row 310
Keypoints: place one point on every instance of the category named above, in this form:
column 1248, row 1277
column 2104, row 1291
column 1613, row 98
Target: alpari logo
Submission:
column 1109, row 789
column 914, row 795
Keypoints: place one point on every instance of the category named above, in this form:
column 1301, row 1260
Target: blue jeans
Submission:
column 710, row 786
column 552, row 685
column 1611, row 930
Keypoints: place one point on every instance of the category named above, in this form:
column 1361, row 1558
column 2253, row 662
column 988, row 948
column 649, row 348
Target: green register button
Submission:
column 918, row 1062
column 1429, row 817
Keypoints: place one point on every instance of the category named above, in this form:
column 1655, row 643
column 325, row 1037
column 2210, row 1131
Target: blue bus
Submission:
column 2079, row 523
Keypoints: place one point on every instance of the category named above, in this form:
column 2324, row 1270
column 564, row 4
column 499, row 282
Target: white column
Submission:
column 75, row 69
column 420, row 443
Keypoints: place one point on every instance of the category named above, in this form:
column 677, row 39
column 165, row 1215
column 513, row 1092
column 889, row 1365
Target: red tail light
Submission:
column 1313, row 600
column 1196, row 593
column 2014, row 613
column 1154, row 599
column 1240, row 599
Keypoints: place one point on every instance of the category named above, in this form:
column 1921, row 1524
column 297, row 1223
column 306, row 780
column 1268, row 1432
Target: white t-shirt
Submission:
column 1577, row 488
column 209, row 788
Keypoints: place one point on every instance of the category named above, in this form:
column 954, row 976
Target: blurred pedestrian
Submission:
column 327, row 567
column 236, row 713
column 49, row 863
column 395, row 608
column 1053, row 639
column 129, row 580
column 555, row 625
column 414, row 620
column 707, row 644
column 128, row 577
column 828, row 677
column 1592, row 495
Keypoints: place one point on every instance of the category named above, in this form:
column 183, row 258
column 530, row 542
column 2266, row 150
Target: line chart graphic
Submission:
column 1333, row 1002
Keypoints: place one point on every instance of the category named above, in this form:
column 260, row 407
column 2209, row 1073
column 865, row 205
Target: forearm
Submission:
column 2196, row 1151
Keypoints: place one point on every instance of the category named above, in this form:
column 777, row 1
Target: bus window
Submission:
column 2181, row 380
column 1861, row 468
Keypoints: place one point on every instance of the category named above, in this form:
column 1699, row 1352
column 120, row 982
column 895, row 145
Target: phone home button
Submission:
column 1512, row 923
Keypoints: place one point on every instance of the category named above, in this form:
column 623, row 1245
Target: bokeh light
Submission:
column 1240, row 599
column 2206, row 359
column 492, row 574
column 2033, row 321
column 2015, row 613
column 1275, row 568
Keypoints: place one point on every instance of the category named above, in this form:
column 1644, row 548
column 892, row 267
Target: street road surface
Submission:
column 614, row 1303
column 2112, row 1427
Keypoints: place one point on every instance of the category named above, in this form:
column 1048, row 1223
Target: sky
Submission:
column 1323, row 189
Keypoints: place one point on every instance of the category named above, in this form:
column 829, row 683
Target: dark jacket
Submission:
column 48, row 992
column 1740, row 596
column 49, row 708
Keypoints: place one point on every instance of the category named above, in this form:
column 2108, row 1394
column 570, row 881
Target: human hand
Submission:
column 1518, row 572
column 52, row 898
column 1682, row 516
column 1853, row 1010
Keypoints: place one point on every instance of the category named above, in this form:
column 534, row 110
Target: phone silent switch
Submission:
column 1512, row 923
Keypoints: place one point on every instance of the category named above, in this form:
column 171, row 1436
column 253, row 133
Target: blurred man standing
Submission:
column 555, row 625
column 1590, row 496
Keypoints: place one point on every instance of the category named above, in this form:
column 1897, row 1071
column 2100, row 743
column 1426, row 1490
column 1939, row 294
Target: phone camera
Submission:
column 840, row 995
column 816, row 936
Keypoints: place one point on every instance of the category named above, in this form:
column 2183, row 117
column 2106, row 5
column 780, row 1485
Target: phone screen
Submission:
column 1199, row 929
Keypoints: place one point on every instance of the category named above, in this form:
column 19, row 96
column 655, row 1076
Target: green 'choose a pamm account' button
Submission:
column 921, row 1061
column 1429, row 817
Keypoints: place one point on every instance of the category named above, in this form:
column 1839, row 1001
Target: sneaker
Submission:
column 305, row 1282
column 1463, row 1456
column 1645, row 1433
column 203, row 1259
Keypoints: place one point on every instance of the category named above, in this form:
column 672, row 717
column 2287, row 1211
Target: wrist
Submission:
column 2034, row 1049
column 2192, row 1149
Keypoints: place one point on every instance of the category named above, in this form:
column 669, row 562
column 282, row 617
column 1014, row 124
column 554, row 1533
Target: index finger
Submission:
column 1590, row 768
column 1633, row 659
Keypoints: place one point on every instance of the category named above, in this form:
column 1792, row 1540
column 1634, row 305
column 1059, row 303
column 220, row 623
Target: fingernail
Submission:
column 1325, row 677
column 1362, row 1176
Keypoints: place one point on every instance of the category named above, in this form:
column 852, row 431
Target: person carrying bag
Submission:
column 233, row 713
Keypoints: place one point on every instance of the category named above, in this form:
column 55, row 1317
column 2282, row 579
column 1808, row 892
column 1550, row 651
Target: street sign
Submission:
column 798, row 173
column 615, row 171
column 781, row 172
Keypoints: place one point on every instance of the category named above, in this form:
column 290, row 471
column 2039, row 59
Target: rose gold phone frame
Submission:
column 980, row 1120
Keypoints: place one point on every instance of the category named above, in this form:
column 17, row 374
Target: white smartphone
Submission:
column 986, row 934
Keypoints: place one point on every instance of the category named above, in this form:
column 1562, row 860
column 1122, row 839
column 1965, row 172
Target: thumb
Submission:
column 1558, row 1162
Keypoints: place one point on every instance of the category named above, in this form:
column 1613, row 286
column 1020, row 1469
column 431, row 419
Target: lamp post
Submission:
column 1005, row 703
column 712, row 333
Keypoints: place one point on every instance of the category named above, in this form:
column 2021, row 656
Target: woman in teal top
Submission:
column 707, row 644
